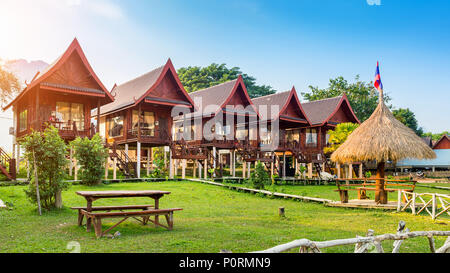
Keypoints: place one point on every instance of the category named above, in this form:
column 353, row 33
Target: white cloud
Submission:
column 105, row 8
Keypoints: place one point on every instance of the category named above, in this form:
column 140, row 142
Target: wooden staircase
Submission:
column 5, row 161
column 124, row 162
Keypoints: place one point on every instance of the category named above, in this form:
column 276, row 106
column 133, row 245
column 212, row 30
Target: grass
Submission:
column 213, row 218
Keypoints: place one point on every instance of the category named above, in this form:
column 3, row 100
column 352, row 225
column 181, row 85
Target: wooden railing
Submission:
column 366, row 244
column 419, row 202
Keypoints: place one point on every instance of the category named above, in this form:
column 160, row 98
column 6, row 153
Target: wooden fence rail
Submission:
column 369, row 243
column 419, row 202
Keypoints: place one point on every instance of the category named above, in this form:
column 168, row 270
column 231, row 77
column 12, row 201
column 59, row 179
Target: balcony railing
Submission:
column 69, row 130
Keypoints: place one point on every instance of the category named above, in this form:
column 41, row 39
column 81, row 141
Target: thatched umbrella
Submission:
column 382, row 137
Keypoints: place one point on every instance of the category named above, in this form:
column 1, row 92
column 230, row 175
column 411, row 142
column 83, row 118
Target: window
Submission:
column 223, row 130
column 147, row 121
column 70, row 112
column 23, row 120
column 266, row 134
column 311, row 137
column 241, row 133
column 115, row 126
column 292, row 135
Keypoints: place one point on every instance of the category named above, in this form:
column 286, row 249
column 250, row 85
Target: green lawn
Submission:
column 213, row 218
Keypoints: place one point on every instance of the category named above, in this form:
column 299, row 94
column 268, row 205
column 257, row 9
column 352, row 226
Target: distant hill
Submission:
column 25, row 70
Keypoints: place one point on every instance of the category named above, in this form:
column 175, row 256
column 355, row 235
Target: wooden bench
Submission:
column 108, row 209
column 364, row 187
column 148, row 211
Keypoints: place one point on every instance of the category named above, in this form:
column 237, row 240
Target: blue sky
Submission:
column 281, row 43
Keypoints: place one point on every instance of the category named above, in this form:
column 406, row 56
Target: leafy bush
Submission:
column 368, row 174
column 259, row 178
column 91, row 154
column 158, row 160
column 47, row 151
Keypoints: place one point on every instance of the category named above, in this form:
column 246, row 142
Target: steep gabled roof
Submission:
column 221, row 95
column 444, row 138
column 131, row 93
column 57, row 64
column 320, row 112
column 282, row 100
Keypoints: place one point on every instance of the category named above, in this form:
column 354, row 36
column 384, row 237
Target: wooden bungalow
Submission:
column 62, row 95
column 217, row 105
column 291, row 122
column 140, row 116
column 324, row 115
column 442, row 144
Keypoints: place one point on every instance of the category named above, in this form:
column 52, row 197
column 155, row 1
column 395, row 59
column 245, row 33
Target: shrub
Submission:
column 47, row 152
column 259, row 178
column 91, row 154
column 158, row 160
column 368, row 174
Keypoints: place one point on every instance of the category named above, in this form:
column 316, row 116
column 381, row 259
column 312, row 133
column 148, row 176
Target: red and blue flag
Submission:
column 378, row 85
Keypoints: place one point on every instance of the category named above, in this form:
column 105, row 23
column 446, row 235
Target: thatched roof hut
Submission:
column 382, row 137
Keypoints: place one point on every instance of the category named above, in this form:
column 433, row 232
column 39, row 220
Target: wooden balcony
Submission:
column 68, row 129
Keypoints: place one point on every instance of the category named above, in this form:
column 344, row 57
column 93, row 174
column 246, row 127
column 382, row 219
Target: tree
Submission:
column 46, row 152
column 195, row 78
column 408, row 118
column 91, row 154
column 339, row 135
column 436, row 137
column 363, row 97
column 259, row 178
column 9, row 85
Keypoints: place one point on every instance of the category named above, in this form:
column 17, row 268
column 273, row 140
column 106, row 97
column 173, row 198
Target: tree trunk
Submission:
column 380, row 193
column 58, row 199
column 38, row 196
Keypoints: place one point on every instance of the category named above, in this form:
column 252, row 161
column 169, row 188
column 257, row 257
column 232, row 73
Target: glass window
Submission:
column 147, row 121
column 23, row 120
column 241, row 133
column 70, row 112
column 115, row 126
column 311, row 137
column 292, row 135
column 223, row 130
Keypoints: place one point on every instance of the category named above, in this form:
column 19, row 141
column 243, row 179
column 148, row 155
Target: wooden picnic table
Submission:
column 91, row 196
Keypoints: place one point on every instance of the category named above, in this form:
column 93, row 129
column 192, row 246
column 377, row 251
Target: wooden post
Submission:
column 296, row 167
column 399, row 200
column 70, row 160
column 338, row 170
column 106, row 169
column 281, row 212
column 149, row 151
column 248, row 169
column 361, row 171
column 76, row 169
column 183, row 169
column 115, row 168
column 310, row 168
column 284, row 165
column 413, row 204
column 126, row 152
column 234, row 163
column 380, row 193
column 18, row 158
column 194, row 168
column 433, row 209
column 98, row 117
column 171, row 176
column 175, row 169
column 214, row 160
column 199, row 169
column 138, row 158
column 205, row 169
column 244, row 168
column 350, row 171
column 272, row 165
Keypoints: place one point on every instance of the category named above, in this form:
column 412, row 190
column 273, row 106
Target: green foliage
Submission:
column 363, row 97
column 9, row 85
column 302, row 170
column 50, row 153
column 436, row 137
column 408, row 118
column 368, row 174
column 91, row 155
column 339, row 135
column 158, row 160
column 195, row 78
column 259, row 178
